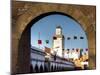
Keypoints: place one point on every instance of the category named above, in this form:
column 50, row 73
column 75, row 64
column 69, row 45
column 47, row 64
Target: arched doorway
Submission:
column 21, row 23
column 24, row 43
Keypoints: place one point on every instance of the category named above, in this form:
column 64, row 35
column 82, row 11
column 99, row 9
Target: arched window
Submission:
column 52, row 68
column 36, row 68
column 41, row 68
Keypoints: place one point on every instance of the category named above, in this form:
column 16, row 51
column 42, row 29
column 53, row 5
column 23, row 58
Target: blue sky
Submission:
column 47, row 26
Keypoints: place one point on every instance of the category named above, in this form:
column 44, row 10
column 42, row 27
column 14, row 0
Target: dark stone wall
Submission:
column 24, row 12
column 23, row 60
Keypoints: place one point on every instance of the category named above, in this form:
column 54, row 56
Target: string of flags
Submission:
column 40, row 41
column 77, row 49
column 47, row 41
column 75, row 37
column 68, row 38
column 54, row 38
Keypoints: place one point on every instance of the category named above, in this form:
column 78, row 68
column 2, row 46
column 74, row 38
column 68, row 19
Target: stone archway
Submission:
column 23, row 13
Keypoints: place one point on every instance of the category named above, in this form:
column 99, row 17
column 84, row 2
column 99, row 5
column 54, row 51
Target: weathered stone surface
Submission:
column 24, row 12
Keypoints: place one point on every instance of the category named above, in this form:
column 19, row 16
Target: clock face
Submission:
column 58, row 31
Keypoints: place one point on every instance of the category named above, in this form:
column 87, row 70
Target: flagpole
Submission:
column 68, row 39
column 70, row 44
column 39, row 39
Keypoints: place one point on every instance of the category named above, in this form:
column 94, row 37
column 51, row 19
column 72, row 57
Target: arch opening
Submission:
column 25, row 40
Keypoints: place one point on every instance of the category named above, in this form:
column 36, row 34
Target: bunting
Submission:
column 81, row 37
column 72, row 48
column 86, row 49
column 77, row 50
column 75, row 37
column 81, row 50
column 68, row 38
column 39, row 41
column 47, row 41
column 67, row 49
column 54, row 38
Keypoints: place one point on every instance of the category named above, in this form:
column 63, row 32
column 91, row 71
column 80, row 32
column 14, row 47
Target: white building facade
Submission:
column 58, row 42
column 43, row 63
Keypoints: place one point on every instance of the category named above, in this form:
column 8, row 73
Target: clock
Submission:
column 58, row 31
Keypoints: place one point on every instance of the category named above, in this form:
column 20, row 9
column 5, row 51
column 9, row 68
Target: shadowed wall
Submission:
column 24, row 12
